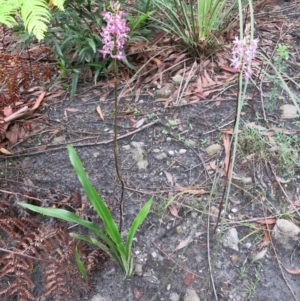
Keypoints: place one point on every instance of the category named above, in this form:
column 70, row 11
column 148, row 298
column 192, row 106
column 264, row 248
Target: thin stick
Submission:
column 22, row 254
column 116, row 147
column 52, row 148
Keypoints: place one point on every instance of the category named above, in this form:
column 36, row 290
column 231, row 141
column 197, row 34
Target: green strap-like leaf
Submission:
column 70, row 217
column 98, row 204
column 80, row 265
column 97, row 244
column 136, row 223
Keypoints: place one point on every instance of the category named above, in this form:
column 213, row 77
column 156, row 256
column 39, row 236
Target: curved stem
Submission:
column 116, row 146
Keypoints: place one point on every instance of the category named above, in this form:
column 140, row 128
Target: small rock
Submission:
column 96, row 154
column 194, row 214
column 126, row 147
column 214, row 213
column 213, row 149
column 142, row 165
column 288, row 112
column 179, row 229
column 248, row 245
column 160, row 156
column 165, row 91
column 136, row 144
column 138, row 154
column 230, row 239
column 225, row 285
column 156, row 150
column 169, row 139
column 234, row 258
column 171, row 153
column 154, row 254
column 174, row 297
column 182, row 151
column 177, row 79
column 246, row 180
column 191, row 295
column 59, row 139
column 138, row 270
column 285, row 232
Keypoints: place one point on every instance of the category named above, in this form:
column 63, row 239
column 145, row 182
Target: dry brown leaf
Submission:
column 38, row 101
column 137, row 292
column 5, row 151
column 221, row 60
column 226, row 142
column 16, row 114
column 7, row 111
column 157, row 62
column 294, row 272
column 72, row 110
column 140, row 123
column 204, row 81
column 199, row 85
column 183, row 243
column 213, row 165
column 209, row 80
column 259, row 255
column 169, row 178
column 174, row 211
column 179, row 58
column 266, row 240
column 228, row 131
column 127, row 112
column 12, row 135
column 195, row 191
column 137, row 94
column 267, row 221
column 100, row 112
column 188, row 279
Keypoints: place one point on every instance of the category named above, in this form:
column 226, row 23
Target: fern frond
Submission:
column 8, row 8
column 59, row 4
column 36, row 14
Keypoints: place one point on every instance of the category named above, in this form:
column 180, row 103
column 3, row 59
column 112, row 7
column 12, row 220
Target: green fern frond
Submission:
column 8, row 9
column 59, row 4
column 36, row 15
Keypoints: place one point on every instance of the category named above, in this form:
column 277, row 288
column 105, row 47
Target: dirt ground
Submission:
column 166, row 157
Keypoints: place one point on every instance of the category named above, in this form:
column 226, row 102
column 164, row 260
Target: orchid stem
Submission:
column 116, row 153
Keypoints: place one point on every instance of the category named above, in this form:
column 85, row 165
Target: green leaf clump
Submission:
column 34, row 13
column 111, row 241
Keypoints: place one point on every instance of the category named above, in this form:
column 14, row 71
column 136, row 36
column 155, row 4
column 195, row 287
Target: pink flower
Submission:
column 243, row 52
column 114, row 33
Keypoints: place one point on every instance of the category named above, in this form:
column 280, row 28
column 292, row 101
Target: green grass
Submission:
column 280, row 150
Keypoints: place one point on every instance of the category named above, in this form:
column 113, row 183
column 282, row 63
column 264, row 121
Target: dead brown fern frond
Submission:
column 17, row 74
column 53, row 249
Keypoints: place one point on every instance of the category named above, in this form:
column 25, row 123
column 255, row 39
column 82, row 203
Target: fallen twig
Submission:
column 53, row 148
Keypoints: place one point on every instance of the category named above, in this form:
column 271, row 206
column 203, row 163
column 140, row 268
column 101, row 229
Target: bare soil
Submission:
column 40, row 165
